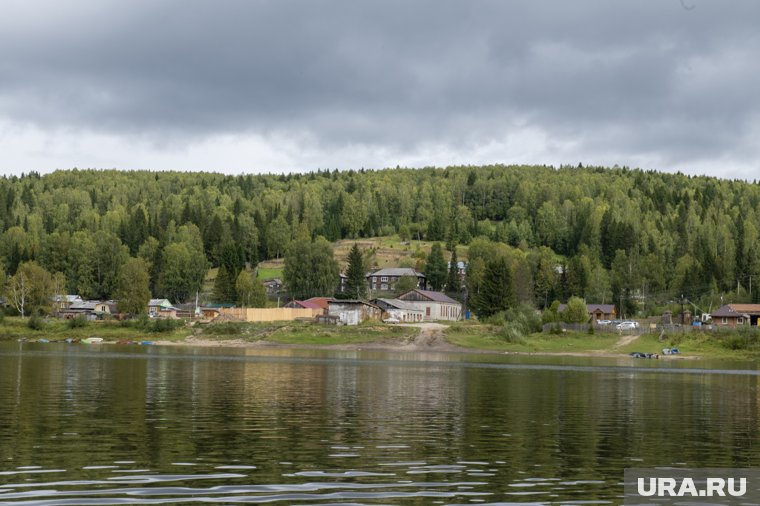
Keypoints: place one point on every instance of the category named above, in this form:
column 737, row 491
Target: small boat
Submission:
column 92, row 340
column 43, row 340
column 145, row 343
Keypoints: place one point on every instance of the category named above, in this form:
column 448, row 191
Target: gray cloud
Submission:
column 616, row 82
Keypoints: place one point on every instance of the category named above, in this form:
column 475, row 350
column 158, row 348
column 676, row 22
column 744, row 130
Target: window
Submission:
column 384, row 278
column 384, row 286
column 740, row 321
column 724, row 321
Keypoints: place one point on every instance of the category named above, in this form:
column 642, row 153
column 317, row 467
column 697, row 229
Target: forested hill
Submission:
column 609, row 230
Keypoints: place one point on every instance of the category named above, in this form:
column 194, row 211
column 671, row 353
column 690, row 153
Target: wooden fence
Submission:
column 269, row 314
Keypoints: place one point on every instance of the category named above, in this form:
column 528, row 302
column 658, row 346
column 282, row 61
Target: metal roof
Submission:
column 397, row 271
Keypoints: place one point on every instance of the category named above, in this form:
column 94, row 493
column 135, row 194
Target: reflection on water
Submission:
column 131, row 425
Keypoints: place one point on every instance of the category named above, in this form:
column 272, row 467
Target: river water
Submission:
column 109, row 424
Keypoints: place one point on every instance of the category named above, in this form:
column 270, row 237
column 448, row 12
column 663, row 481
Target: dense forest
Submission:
column 636, row 238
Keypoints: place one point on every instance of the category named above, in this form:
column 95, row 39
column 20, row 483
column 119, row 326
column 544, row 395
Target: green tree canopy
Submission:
column 453, row 281
column 133, row 291
column 575, row 311
column 356, row 283
column 310, row 269
column 496, row 291
column 250, row 291
column 435, row 268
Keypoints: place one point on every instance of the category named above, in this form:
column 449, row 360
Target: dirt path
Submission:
column 430, row 338
column 626, row 340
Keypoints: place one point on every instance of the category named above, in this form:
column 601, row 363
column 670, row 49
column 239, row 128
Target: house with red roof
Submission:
column 318, row 303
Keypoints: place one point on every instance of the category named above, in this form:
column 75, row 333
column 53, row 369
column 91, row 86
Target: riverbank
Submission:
column 460, row 337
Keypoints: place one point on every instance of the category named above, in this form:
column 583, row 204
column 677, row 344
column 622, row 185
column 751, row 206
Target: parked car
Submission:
column 626, row 326
column 603, row 322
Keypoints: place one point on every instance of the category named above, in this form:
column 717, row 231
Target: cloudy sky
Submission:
column 281, row 85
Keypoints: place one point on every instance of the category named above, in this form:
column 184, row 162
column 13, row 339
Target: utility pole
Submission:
column 683, row 316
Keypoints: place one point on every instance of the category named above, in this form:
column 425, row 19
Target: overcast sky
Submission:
column 280, row 85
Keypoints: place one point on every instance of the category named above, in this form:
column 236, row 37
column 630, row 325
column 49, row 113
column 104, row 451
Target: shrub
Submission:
column 165, row 325
column 78, row 321
column 36, row 322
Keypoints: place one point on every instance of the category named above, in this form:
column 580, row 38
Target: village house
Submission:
column 436, row 305
column 736, row 315
column 596, row 311
column 316, row 303
column 63, row 302
column 273, row 286
column 400, row 310
column 161, row 308
column 90, row 309
column 353, row 312
column 385, row 280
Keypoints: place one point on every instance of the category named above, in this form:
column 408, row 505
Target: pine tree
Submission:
column 453, row 282
column 496, row 291
column 356, row 284
column 224, row 288
column 435, row 270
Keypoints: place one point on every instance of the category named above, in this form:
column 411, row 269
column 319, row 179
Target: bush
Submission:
column 165, row 325
column 512, row 334
column 36, row 322
column 78, row 321
column 516, row 322
column 744, row 339
column 556, row 329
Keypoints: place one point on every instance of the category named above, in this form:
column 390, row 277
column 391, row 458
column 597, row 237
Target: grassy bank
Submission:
column 490, row 337
column 742, row 344
column 58, row 330
column 306, row 333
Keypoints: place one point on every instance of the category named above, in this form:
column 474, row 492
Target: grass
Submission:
column 488, row 337
column 721, row 345
column 109, row 330
column 306, row 333
column 264, row 273
column 389, row 251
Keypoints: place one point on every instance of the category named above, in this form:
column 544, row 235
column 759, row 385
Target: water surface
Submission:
column 158, row 425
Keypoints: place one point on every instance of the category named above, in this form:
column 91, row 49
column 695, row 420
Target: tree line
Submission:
column 636, row 238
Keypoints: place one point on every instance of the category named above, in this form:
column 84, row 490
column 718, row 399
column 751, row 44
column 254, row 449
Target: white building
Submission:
column 435, row 305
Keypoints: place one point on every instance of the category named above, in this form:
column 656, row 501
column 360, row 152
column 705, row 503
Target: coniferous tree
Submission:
column 224, row 287
column 356, row 284
column 435, row 269
column 453, row 282
column 496, row 291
